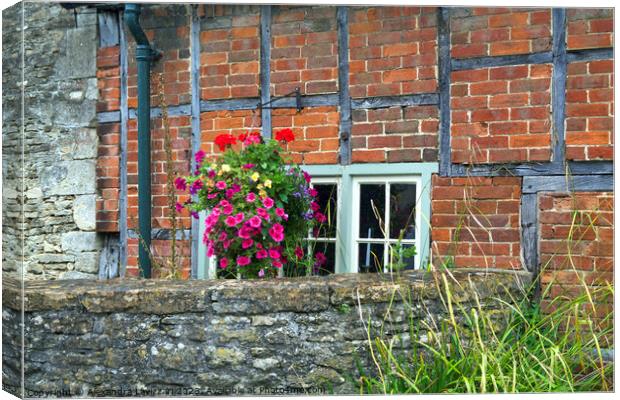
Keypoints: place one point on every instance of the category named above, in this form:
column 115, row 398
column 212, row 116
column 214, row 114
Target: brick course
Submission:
column 576, row 245
column 479, row 32
column 589, row 28
column 395, row 134
column 475, row 222
column 589, row 110
column 392, row 51
column 304, row 50
column 229, row 51
column 501, row 114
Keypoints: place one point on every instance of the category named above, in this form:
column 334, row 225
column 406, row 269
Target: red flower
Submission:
column 285, row 135
column 225, row 140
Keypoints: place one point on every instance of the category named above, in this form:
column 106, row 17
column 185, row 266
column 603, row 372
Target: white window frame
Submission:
column 335, row 180
column 386, row 180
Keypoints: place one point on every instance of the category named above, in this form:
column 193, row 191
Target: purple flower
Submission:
column 180, row 183
column 194, row 214
column 179, row 207
column 195, row 187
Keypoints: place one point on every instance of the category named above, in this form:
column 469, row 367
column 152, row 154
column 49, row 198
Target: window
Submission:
column 368, row 207
column 385, row 222
column 324, row 238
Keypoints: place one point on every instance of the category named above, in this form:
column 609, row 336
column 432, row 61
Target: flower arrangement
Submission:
column 260, row 207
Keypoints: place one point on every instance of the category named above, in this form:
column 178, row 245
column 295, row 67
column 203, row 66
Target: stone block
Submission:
column 69, row 177
column 77, row 242
column 84, row 212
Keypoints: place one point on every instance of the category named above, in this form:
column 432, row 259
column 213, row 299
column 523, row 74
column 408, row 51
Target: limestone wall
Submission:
column 93, row 338
column 59, row 141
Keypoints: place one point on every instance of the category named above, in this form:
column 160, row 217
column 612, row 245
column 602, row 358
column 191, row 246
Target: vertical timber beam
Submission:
column 265, row 68
column 344, row 98
column 124, row 114
column 196, row 134
column 558, row 88
column 529, row 237
column 443, row 26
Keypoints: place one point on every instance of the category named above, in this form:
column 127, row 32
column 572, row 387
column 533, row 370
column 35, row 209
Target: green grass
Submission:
column 515, row 347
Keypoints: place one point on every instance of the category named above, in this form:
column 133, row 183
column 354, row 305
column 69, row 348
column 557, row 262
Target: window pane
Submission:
column 372, row 210
column 403, row 257
column 370, row 257
column 329, row 251
column 328, row 200
column 402, row 214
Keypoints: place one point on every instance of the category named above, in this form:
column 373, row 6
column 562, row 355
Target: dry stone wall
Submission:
column 57, row 196
column 283, row 336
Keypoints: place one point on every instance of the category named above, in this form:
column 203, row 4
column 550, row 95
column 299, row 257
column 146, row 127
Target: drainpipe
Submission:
column 144, row 56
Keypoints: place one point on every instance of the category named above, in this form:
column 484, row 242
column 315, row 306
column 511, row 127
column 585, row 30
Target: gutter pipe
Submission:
column 145, row 54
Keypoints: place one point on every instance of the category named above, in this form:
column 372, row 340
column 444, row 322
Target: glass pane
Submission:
column 327, row 200
column 402, row 257
column 402, row 210
column 370, row 257
column 327, row 265
column 372, row 211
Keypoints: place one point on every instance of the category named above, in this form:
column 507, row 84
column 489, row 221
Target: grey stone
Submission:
column 80, row 54
column 84, row 212
column 87, row 262
column 69, row 177
column 76, row 242
column 75, row 275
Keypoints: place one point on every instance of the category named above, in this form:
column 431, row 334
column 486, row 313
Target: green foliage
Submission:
column 513, row 348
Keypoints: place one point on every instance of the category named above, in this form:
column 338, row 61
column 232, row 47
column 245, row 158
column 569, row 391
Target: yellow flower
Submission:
column 262, row 193
column 210, row 183
column 214, row 166
column 225, row 167
column 268, row 183
column 220, row 173
column 260, row 186
column 255, row 176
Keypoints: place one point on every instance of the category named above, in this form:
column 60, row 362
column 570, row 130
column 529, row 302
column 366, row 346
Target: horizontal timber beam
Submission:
column 571, row 183
column 162, row 234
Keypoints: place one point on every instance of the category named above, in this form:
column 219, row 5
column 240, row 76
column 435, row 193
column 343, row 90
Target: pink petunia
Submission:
column 250, row 197
column 244, row 232
column 235, row 188
column 261, row 254
column 227, row 209
column 195, row 187
column 261, row 273
column 211, row 174
column 224, row 263
column 274, row 254
column 248, row 166
column 315, row 206
column 320, row 217
column 255, row 221
column 243, row 260
column 268, row 202
column 239, row 217
column 313, row 192
column 262, row 213
column 280, row 213
column 210, row 251
column 247, row 243
column 276, row 264
column 307, row 176
column 277, row 232
column 230, row 221
column 223, row 236
column 221, row 185
column 179, row 207
column 226, row 244
column 211, row 196
column 199, row 156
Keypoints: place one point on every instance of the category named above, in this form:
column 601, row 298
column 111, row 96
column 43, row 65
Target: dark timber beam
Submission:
column 196, row 134
column 500, row 61
column 344, row 97
column 265, row 68
column 422, row 99
column 574, row 183
column 124, row 116
column 558, row 88
column 443, row 26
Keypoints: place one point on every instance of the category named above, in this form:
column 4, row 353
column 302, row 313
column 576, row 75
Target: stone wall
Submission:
column 59, row 141
column 95, row 338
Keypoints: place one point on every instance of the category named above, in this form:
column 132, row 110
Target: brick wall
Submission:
column 304, row 50
column 229, row 51
column 478, row 32
column 393, row 50
column 501, row 114
column 395, row 134
column 316, row 133
column 498, row 114
column 475, row 222
column 576, row 245
column 108, row 149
